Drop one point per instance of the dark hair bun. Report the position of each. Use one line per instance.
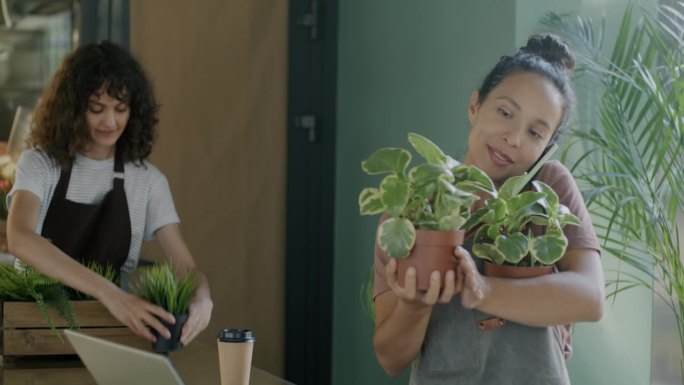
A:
(551, 48)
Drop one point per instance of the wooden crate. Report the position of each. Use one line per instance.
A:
(25, 331)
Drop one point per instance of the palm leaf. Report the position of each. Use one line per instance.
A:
(633, 165)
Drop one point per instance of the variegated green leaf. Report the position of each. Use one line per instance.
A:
(481, 215)
(370, 201)
(452, 222)
(513, 247)
(429, 172)
(548, 249)
(387, 160)
(450, 162)
(493, 232)
(427, 149)
(425, 190)
(472, 179)
(512, 186)
(488, 252)
(551, 196)
(524, 200)
(565, 217)
(498, 207)
(394, 193)
(396, 237)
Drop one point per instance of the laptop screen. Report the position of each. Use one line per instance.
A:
(115, 364)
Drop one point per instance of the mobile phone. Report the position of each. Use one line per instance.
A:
(537, 165)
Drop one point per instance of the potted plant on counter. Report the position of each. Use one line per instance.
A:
(162, 286)
(425, 208)
(505, 238)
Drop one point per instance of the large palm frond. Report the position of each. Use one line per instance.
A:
(633, 167)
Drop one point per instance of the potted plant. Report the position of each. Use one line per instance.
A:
(28, 285)
(36, 308)
(505, 238)
(162, 286)
(425, 208)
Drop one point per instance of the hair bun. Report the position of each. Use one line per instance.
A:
(551, 48)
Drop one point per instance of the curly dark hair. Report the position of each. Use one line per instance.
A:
(59, 126)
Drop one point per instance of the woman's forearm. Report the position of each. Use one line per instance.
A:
(574, 295)
(46, 258)
(400, 333)
(556, 299)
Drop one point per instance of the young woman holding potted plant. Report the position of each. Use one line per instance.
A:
(85, 191)
(516, 114)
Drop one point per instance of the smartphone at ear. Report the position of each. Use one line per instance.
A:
(546, 155)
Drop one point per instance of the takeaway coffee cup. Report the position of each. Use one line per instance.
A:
(235, 355)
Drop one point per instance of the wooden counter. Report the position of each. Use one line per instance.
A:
(197, 364)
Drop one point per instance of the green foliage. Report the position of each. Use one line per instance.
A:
(436, 195)
(161, 285)
(26, 284)
(633, 164)
(502, 235)
(108, 271)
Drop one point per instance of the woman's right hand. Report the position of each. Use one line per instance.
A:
(137, 313)
(412, 297)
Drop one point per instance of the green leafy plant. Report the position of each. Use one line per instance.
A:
(436, 195)
(632, 164)
(504, 235)
(107, 271)
(160, 285)
(26, 284)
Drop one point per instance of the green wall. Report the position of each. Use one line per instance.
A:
(411, 66)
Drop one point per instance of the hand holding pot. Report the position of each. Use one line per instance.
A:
(198, 319)
(409, 295)
(474, 285)
(136, 313)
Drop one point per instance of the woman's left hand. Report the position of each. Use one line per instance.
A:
(475, 285)
(198, 318)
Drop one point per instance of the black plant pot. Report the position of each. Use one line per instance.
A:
(163, 345)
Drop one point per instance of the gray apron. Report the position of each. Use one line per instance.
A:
(457, 352)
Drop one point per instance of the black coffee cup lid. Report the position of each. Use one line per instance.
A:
(235, 335)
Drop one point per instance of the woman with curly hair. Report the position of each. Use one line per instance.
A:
(85, 192)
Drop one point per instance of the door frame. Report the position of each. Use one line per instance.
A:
(312, 75)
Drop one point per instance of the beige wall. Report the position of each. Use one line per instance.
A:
(219, 71)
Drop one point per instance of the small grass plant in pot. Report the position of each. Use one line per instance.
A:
(425, 207)
(504, 238)
(162, 286)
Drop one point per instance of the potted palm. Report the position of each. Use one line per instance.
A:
(162, 286)
(425, 207)
(631, 166)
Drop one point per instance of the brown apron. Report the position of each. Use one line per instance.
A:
(98, 232)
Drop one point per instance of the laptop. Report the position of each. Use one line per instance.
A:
(115, 364)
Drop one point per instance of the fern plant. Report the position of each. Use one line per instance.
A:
(26, 284)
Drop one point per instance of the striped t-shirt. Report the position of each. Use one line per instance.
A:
(150, 203)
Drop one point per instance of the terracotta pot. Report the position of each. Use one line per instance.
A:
(433, 250)
(507, 271)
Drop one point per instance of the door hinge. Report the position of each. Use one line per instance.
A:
(310, 20)
(307, 122)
